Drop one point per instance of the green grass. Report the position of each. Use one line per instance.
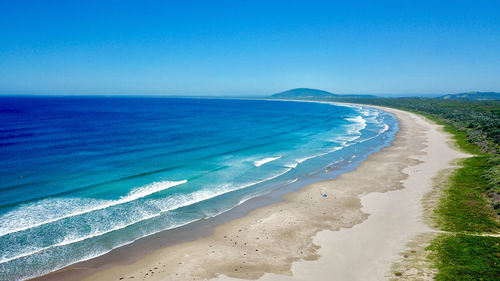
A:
(463, 206)
(459, 137)
(466, 257)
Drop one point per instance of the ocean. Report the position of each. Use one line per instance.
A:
(80, 176)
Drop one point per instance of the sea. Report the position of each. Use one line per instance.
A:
(81, 176)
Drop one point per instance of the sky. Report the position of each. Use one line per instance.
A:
(242, 48)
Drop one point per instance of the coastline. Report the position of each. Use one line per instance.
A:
(397, 219)
(300, 235)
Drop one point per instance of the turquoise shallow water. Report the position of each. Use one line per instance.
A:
(82, 176)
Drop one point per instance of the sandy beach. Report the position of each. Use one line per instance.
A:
(359, 231)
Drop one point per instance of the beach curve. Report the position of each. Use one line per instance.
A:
(294, 237)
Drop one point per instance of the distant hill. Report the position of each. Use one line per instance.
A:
(473, 96)
(302, 93)
(357, 96)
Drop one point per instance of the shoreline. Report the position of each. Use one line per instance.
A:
(249, 245)
(141, 247)
(397, 221)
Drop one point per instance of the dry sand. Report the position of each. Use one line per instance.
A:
(355, 233)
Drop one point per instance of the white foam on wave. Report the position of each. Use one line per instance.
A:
(385, 129)
(357, 119)
(173, 203)
(49, 211)
(74, 239)
(380, 132)
(359, 124)
(354, 131)
(335, 149)
(365, 112)
(5, 259)
(199, 197)
(311, 157)
(300, 160)
(95, 254)
(265, 160)
(343, 140)
(307, 158)
(202, 195)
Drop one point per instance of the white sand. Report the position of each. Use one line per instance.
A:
(355, 233)
(367, 250)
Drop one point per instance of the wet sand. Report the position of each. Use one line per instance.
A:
(354, 233)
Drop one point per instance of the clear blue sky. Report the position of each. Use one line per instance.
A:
(248, 47)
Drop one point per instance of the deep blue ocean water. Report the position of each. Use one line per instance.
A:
(82, 176)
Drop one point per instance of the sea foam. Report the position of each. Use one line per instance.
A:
(49, 210)
(72, 226)
(165, 205)
(265, 160)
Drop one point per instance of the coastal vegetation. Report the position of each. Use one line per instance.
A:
(466, 257)
(475, 126)
(475, 122)
(463, 206)
(469, 208)
(470, 204)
